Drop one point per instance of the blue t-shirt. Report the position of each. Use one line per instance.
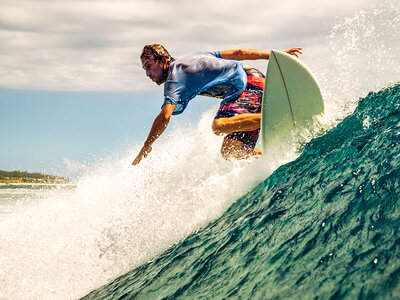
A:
(205, 73)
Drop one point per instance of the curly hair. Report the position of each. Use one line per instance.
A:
(158, 51)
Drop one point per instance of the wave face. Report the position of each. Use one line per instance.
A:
(323, 226)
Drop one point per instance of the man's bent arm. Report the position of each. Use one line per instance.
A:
(158, 127)
(253, 54)
(245, 54)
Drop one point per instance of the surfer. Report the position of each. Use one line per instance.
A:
(215, 74)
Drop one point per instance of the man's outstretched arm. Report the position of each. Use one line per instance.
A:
(253, 54)
(158, 127)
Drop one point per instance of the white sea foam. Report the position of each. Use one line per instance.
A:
(357, 56)
(120, 216)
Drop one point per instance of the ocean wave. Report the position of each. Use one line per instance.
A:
(323, 226)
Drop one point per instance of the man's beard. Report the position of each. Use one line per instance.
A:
(164, 78)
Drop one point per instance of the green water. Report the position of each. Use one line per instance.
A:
(325, 226)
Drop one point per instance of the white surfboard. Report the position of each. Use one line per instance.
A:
(291, 99)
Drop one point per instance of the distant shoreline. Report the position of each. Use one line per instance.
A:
(34, 183)
(18, 177)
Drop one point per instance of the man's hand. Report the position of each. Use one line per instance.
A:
(146, 149)
(294, 51)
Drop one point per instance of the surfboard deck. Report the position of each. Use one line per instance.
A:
(290, 101)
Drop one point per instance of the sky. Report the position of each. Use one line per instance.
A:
(72, 88)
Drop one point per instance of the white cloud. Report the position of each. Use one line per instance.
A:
(94, 45)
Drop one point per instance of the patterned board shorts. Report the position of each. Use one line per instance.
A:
(248, 102)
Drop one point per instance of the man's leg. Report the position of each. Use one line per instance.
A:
(234, 149)
(242, 122)
(239, 119)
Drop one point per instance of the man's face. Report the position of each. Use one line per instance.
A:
(154, 70)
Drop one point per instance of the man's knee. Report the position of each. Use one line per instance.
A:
(217, 127)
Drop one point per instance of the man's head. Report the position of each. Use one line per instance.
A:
(155, 61)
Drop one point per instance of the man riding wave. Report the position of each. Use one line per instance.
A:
(217, 74)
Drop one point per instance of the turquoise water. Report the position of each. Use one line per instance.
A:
(325, 226)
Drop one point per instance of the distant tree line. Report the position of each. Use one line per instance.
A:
(25, 177)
